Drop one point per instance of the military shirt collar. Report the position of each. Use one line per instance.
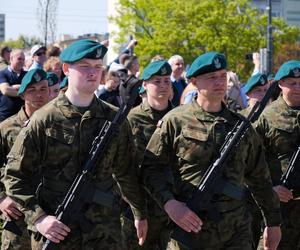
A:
(153, 113)
(23, 117)
(96, 109)
(223, 116)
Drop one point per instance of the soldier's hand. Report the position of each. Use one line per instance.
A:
(183, 216)
(283, 193)
(141, 230)
(52, 228)
(9, 209)
(272, 236)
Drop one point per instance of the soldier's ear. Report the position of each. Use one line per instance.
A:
(193, 80)
(65, 68)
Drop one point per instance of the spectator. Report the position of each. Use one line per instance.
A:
(178, 82)
(53, 64)
(38, 53)
(10, 80)
(53, 50)
(131, 63)
(4, 57)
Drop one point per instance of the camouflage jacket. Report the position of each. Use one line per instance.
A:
(52, 149)
(188, 141)
(9, 129)
(279, 127)
(143, 120)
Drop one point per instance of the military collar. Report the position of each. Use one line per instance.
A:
(225, 115)
(153, 113)
(23, 117)
(96, 109)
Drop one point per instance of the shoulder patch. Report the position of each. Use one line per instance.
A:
(159, 123)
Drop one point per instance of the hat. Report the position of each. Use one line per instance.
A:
(255, 81)
(36, 48)
(157, 68)
(288, 69)
(83, 49)
(142, 90)
(31, 77)
(52, 79)
(207, 63)
(64, 83)
(117, 67)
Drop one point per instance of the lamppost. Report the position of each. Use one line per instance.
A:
(269, 39)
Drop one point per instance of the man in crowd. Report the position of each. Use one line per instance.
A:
(279, 128)
(52, 150)
(10, 80)
(143, 120)
(188, 140)
(178, 82)
(35, 92)
(38, 53)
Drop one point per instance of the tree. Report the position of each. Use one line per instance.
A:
(192, 27)
(46, 13)
(22, 42)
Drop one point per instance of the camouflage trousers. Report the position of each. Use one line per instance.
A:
(290, 228)
(233, 232)
(105, 235)
(157, 235)
(11, 241)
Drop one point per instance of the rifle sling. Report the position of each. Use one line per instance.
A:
(100, 197)
(233, 191)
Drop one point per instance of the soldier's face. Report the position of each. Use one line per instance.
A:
(258, 92)
(36, 95)
(212, 86)
(291, 90)
(85, 75)
(158, 87)
(53, 91)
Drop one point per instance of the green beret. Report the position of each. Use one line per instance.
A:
(157, 68)
(254, 81)
(64, 83)
(83, 49)
(207, 63)
(31, 77)
(288, 69)
(142, 90)
(52, 79)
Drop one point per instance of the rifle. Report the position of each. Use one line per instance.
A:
(212, 183)
(80, 191)
(290, 179)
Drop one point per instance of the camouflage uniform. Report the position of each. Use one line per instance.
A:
(257, 219)
(52, 149)
(188, 141)
(9, 129)
(143, 120)
(279, 127)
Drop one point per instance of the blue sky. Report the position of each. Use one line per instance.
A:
(74, 17)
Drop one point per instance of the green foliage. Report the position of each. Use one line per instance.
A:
(192, 27)
(23, 42)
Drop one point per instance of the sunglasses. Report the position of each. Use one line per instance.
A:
(40, 53)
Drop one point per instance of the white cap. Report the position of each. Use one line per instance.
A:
(117, 67)
(35, 48)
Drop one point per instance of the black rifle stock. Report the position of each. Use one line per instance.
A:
(290, 179)
(211, 182)
(81, 190)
